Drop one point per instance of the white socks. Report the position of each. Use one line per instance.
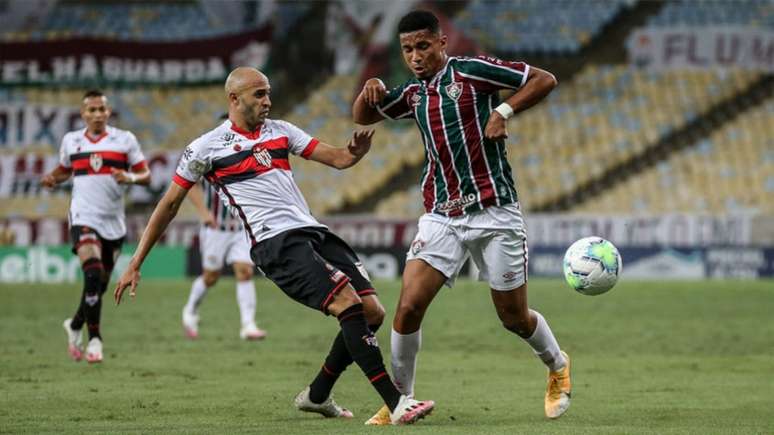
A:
(544, 344)
(245, 293)
(404, 350)
(198, 290)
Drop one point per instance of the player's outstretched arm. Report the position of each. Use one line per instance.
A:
(538, 85)
(364, 109)
(60, 174)
(162, 215)
(343, 158)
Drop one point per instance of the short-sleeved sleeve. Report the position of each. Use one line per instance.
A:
(64, 153)
(490, 74)
(300, 142)
(135, 156)
(397, 102)
(193, 164)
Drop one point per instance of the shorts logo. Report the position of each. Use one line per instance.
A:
(454, 90)
(362, 270)
(212, 259)
(95, 161)
(262, 156)
(417, 245)
(336, 275)
(510, 276)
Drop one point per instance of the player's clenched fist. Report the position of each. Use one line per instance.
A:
(374, 91)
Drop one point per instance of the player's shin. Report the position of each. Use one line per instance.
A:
(544, 344)
(364, 349)
(336, 362)
(92, 299)
(245, 293)
(404, 349)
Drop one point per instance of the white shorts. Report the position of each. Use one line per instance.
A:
(495, 238)
(217, 246)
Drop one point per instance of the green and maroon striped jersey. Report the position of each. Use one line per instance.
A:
(224, 220)
(463, 172)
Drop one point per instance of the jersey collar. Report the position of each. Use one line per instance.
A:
(98, 138)
(248, 134)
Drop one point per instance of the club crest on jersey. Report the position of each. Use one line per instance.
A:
(415, 99)
(95, 161)
(454, 90)
(262, 156)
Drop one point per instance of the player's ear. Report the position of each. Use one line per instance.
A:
(442, 39)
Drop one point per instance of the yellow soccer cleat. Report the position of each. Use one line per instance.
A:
(558, 391)
(381, 418)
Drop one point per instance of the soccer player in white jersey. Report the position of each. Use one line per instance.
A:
(472, 209)
(221, 239)
(247, 158)
(102, 160)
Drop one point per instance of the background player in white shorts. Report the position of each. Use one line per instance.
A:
(221, 239)
(102, 160)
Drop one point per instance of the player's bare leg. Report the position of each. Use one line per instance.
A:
(421, 282)
(199, 288)
(515, 315)
(245, 294)
(90, 307)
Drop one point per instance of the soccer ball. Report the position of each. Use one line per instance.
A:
(592, 265)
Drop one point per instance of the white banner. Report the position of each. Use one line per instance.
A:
(702, 47)
(695, 230)
(24, 125)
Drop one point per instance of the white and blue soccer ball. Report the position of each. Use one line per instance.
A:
(592, 265)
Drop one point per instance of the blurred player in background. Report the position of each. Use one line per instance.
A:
(472, 208)
(247, 158)
(102, 160)
(221, 238)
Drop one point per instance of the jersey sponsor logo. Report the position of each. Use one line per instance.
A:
(454, 90)
(237, 147)
(262, 156)
(227, 137)
(95, 161)
(458, 203)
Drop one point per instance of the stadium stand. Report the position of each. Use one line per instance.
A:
(749, 13)
(529, 26)
(730, 171)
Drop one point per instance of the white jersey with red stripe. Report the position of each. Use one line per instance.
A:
(252, 173)
(97, 199)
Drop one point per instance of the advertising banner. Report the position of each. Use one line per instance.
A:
(57, 264)
(702, 47)
(87, 61)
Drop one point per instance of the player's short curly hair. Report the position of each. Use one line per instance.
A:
(418, 20)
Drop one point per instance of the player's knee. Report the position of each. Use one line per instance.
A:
(375, 316)
(411, 311)
(519, 325)
(243, 272)
(210, 278)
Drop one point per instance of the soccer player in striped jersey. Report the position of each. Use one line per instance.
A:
(102, 160)
(247, 158)
(472, 209)
(221, 238)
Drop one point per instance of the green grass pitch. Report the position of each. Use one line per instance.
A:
(666, 357)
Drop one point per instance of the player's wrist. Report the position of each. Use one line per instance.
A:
(505, 110)
(131, 177)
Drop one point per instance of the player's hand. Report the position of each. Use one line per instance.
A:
(374, 91)
(208, 221)
(48, 181)
(130, 278)
(121, 176)
(495, 127)
(360, 143)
